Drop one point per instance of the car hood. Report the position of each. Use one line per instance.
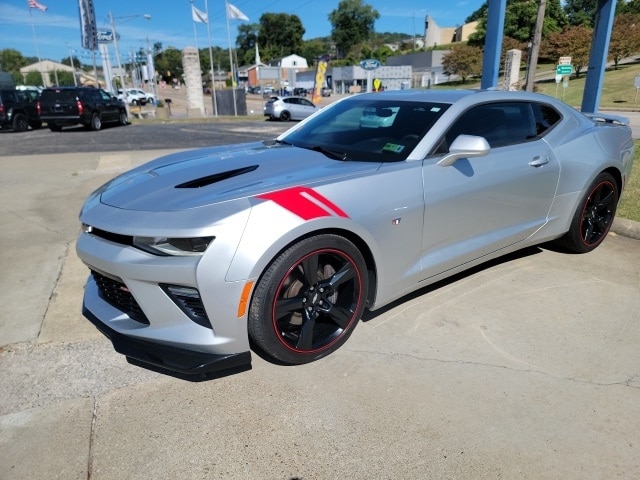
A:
(198, 178)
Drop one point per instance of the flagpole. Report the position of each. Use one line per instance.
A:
(35, 40)
(213, 78)
(195, 33)
(233, 88)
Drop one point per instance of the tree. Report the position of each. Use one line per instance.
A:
(280, 35)
(246, 42)
(581, 12)
(315, 48)
(574, 42)
(625, 37)
(520, 20)
(65, 79)
(33, 78)
(352, 23)
(169, 64)
(12, 60)
(463, 60)
(76, 62)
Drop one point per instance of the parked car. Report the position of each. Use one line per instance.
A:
(91, 107)
(141, 96)
(289, 108)
(325, 92)
(300, 92)
(287, 242)
(133, 96)
(19, 110)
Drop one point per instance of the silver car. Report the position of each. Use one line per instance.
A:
(289, 108)
(287, 242)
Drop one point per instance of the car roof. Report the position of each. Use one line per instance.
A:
(468, 96)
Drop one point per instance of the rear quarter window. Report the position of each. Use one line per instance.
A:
(546, 118)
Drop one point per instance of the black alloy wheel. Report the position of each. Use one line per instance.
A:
(594, 216)
(309, 300)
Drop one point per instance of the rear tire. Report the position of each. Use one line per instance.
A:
(593, 217)
(20, 123)
(96, 122)
(309, 300)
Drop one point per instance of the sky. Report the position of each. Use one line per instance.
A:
(55, 33)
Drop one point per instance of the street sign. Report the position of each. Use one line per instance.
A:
(564, 69)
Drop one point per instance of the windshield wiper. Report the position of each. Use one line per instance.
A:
(333, 154)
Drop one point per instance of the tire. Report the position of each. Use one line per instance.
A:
(285, 116)
(593, 217)
(20, 123)
(96, 122)
(123, 119)
(309, 300)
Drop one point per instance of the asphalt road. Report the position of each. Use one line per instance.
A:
(527, 367)
(139, 136)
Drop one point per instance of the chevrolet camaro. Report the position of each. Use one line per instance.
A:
(197, 257)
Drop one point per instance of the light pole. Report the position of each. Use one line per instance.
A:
(115, 44)
(73, 67)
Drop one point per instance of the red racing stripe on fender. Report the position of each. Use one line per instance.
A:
(305, 203)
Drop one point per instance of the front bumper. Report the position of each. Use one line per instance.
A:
(166, 357)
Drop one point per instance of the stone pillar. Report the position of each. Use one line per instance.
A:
(512, 70)
(193, 82)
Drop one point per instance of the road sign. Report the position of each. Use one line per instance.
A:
(564, 69)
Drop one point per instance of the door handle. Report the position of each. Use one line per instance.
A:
(539, 161)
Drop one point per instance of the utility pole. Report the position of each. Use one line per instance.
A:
(535, 47)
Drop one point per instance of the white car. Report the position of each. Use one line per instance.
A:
(136, 96)
(139, 93)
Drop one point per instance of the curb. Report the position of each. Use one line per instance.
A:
(627, 228)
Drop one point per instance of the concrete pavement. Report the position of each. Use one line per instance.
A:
(525, 368)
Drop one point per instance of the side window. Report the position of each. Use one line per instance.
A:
(501, 124)
(105, 96)
(546, 117)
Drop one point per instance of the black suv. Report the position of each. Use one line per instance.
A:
(91, 107)
(19, 110)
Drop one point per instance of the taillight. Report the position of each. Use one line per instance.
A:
(80, 107)
(39, 108)
(1, 108)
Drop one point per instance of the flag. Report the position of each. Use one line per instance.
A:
(198, 15)
(34, 4)
(234, 13)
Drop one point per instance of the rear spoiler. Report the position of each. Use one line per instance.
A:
(607, 118)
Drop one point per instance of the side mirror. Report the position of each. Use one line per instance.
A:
(465, 146)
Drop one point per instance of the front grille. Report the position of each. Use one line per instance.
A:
(117, 294)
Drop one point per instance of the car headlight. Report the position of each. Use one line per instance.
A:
(173, 246)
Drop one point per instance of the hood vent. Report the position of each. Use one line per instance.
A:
(216, 177)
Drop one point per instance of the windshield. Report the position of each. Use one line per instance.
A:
(368, 129)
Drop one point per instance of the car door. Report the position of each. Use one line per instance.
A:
(479, 205)
(109, 107)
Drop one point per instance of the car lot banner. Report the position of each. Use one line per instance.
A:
(88, 29)
(321, 72)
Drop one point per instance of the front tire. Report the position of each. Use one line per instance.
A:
(594, 216)
(123, 119)
(309, 300)
(285, 116)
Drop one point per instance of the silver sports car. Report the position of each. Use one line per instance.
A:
(285, 243)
